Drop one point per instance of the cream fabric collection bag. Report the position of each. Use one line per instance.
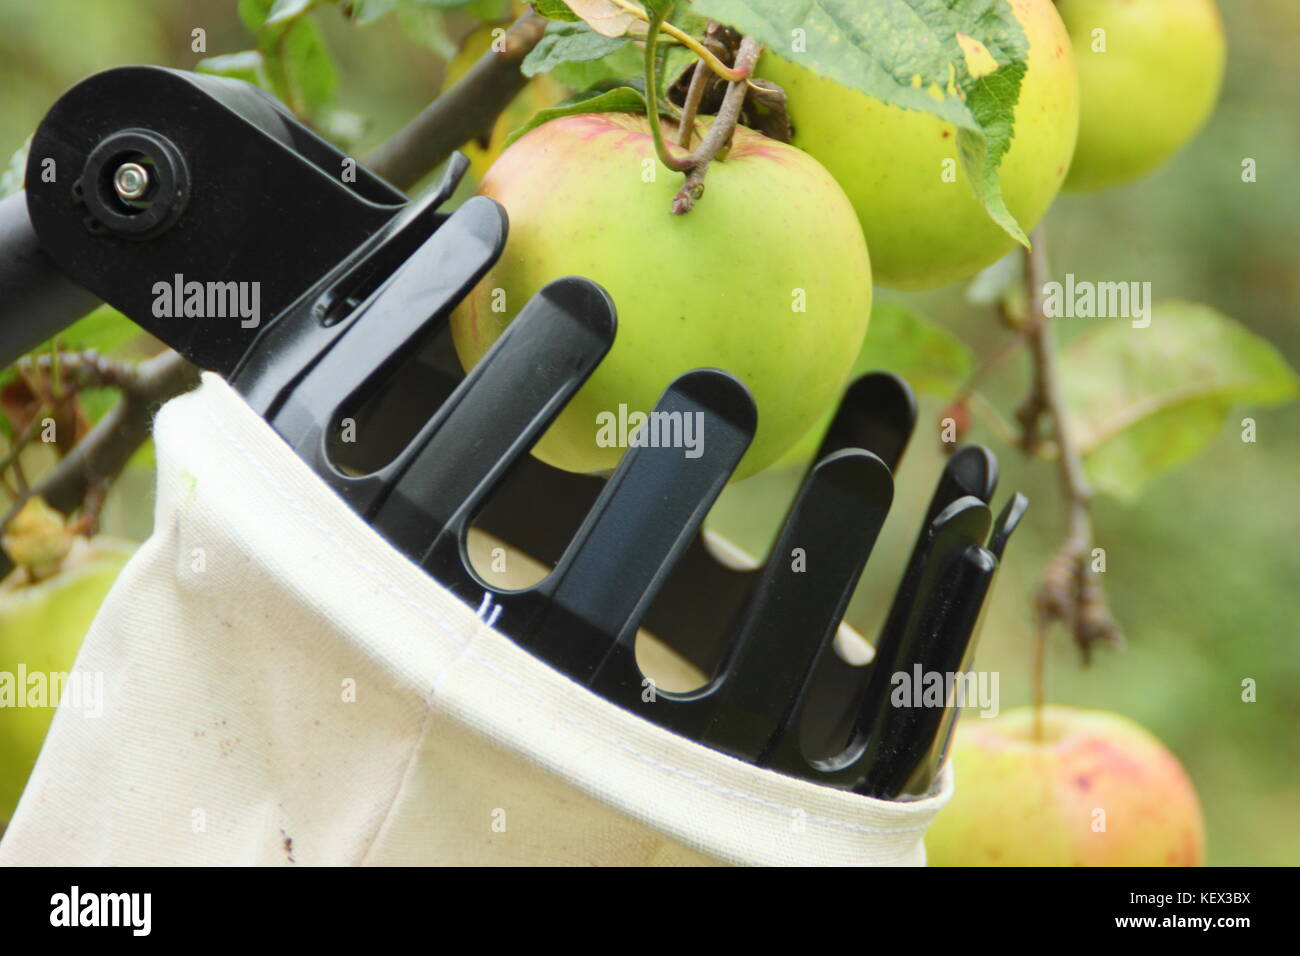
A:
(281, 687)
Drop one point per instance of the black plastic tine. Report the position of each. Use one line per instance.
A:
(540, 533)
(906, 735)
(1003, 527)
(971, 471)
(492, 418)
(877, 413)
(454, 251)
(800, 599)
(413, 299)
(1007, 522)
(773, 637)
(838, 686)
(452, 174)
(651, 508)
(700, 600)
(962, 524)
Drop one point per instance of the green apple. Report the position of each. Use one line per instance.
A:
(42, 624)
(1095, 790)
(767, 277)
(924, 231)
(1149, 75)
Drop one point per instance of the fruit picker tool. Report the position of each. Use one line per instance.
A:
(141, 179)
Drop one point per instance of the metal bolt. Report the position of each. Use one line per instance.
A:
(131, 181)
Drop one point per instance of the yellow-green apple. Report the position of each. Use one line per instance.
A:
(924, 228)
(767, 276)
(1149, 75)
(1095, 789)
(46, 606)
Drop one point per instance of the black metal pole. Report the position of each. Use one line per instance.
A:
(37, 300)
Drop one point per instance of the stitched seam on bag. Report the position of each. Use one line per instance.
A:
(679, 771)
(434, 615)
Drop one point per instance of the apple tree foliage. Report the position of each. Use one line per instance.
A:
(1139, 404)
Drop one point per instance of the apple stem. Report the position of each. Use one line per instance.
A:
(696, 163)
(659, 22)
(1070, 592)
(676, 164)
(691, 106)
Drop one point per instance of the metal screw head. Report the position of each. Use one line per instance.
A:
(131, 181)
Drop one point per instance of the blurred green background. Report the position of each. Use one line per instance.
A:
(1203, 569)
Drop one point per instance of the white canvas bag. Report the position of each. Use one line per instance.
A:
(282, 687)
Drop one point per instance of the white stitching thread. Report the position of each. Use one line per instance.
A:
(211, 413)
(681, 772)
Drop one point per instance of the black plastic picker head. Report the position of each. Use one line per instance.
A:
(173, 187)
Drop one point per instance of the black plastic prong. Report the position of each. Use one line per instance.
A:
(970, 470)
(963, 524)
(904, 738)
(839, 685)
(452, 173)
(702, 596)
(799, 600)
(651, 508)
(1007, 522)
(404, 280)
(877, 413)
(390, 324)
(494, 416)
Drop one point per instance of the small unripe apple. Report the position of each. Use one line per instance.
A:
(767, 277)
(1095, 789)
(42, 623)
(923, 227)
(1149, 74)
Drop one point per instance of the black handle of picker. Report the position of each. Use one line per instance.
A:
(37, 300)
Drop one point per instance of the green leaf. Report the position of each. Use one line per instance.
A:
(428, 27)
(299, 66)
(245, 65)
(555, 10)
(676, 59)
(105, 330)
(282, 11)
(1144, 400)
(253, 13)
(905, 342)
(362, 12)
(621, 65)
(15, 171)
(962, 62)
(981, 152)
(623, 99)
(568, 43)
